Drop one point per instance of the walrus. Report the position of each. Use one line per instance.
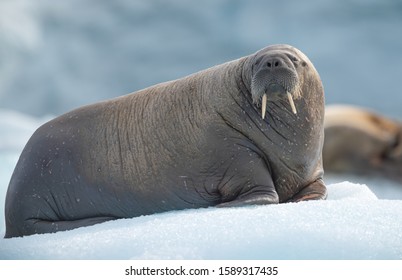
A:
(247, 132)
(360, 141)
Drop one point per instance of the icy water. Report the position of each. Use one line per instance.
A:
(57, 55)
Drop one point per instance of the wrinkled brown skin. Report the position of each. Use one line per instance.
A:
(195, 142)
(359, 141)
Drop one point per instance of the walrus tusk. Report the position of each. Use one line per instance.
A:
(292, 104)
(264, 106)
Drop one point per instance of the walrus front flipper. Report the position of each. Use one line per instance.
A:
(315, 191)
(249, 182)
(254, 199)
(37, 226)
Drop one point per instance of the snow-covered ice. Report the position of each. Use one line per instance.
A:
(352, 224)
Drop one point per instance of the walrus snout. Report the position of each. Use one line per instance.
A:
(274, 78)
(275, 89)
(275, 62)
(277, 76)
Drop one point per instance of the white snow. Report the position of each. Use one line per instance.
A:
(352, 224)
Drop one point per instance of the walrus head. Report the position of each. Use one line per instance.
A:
(275, 76)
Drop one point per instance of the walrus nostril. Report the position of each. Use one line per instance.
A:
(273, 63)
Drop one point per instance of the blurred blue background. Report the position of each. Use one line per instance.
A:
(58, 55)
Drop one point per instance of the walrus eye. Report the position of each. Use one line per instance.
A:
(258, 61)
(292, 58)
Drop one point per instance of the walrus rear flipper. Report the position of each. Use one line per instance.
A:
(37, 226)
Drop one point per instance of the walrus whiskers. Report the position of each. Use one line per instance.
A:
(292, 104)
(264, 105)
